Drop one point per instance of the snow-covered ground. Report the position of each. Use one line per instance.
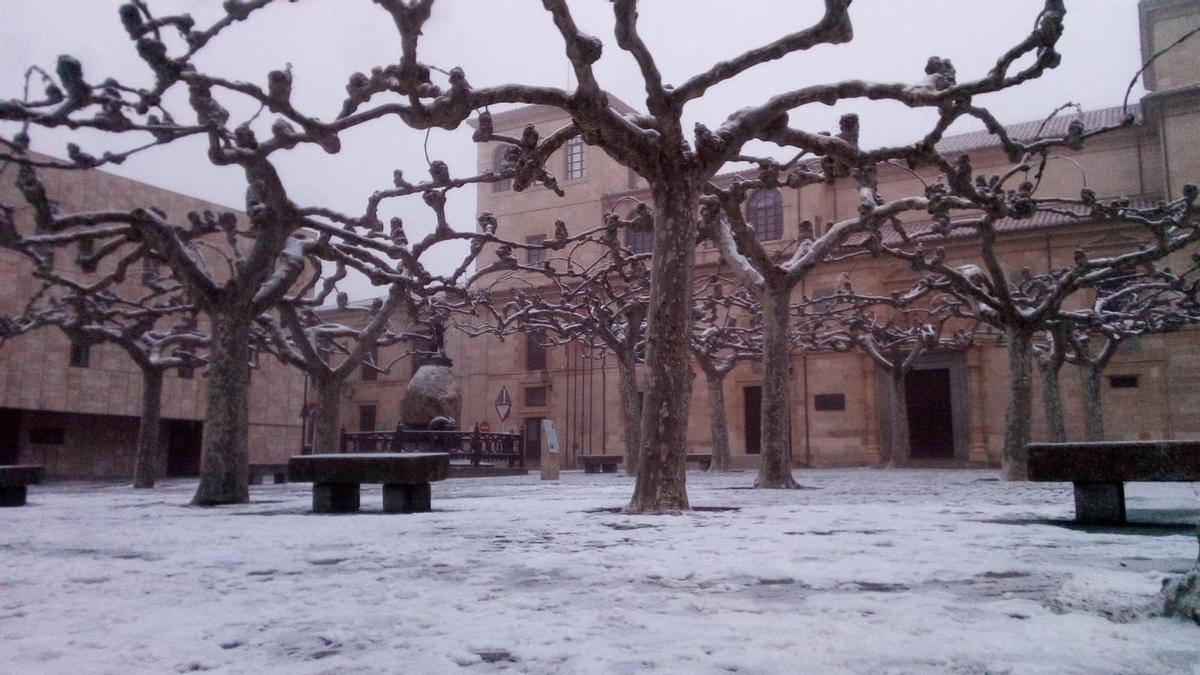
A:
(867, 571)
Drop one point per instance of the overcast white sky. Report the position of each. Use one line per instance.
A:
(499, 41)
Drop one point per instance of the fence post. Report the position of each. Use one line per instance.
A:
(343, 441)
(398, 438)
(476, 446)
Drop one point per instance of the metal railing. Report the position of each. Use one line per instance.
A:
(474, 446)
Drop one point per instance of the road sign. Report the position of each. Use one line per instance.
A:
(503, 404)
(485, 427)
(551, 436)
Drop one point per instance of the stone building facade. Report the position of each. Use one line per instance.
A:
(75, 409)
(839, 413)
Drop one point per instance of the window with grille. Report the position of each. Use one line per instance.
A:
(575, 158)
(535, 256)
(639, 240)
(366, 417)
(764, 212)
(498, 165)
(535, 397)
(150, 271)
(535, 350)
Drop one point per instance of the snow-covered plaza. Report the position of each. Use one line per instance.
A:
(865, 571)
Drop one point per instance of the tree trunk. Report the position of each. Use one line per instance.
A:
(145, 463)
(662, 476)
(775, 466)
(1052, 402)
(1020, 408)
(1093, 408)
(901, 444)
(720, 430)
(631, 413)
(327, 428)
(225, 457)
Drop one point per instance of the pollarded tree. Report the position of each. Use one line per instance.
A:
(596, 300)
(895, 332)
(727, 329)
(1148, 302)
(157, 330)
(1021, 305)
(655, 145)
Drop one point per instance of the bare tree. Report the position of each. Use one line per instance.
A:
(158, 331)
(655, 145)
(895, 332)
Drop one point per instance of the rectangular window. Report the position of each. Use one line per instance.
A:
(535, 256)
(87, 246)
(185, 372)
(535, 350)
(535, 396)
(829, 402)
(150, 271)
(639, 240)
(370, 359)
(1123, 381)
(366, 417)
(575, 158)
(81, 354)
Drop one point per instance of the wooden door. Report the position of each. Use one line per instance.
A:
(753, 420)
(930, 420)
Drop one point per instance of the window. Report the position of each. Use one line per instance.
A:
(81, 354)
(185, 372)
(1123, 381)
(639, 240)
(535, 256)
(87, 246)
(764, 212)
(575, 158)
(498, 165)
(366, 417)
(370, 357)
(535, 350)
(150, 271)
(535, 396)
(829, 402)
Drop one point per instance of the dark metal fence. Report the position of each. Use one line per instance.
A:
(474, 446)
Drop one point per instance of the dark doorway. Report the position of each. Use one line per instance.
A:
(10, 436)
(533, 439)
(184, 439)
(753, 405)
(930, 424)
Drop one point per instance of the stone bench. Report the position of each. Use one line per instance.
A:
(13, 480)
(600, 463)
(1100, 471)
(278, 473)
(336, 479)
(705, 460)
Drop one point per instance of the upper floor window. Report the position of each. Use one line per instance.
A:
(535, 350)
(370, 360)
(498, 165)
(151, 273)
(764, 212)
(575, 158)
(639, 240)
(535, 256)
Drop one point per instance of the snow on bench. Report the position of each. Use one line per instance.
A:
(1099, 471)
(336, 479)
(13, 480)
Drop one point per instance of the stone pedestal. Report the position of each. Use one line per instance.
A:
(335, 497)
(1100, 503)
(398, 498)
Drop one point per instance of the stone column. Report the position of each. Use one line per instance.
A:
(976, 415)
(872, 448)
